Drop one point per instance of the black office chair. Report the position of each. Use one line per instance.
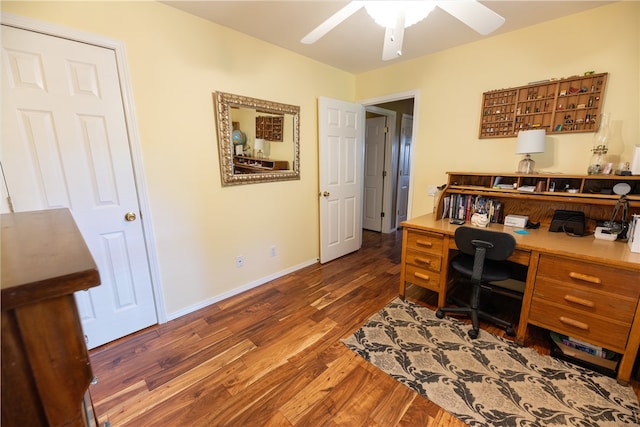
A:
(481, 260)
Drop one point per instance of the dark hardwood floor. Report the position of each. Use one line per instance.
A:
(273, 356)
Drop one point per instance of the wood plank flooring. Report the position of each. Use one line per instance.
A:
(271, 356)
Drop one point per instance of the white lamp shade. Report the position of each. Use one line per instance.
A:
(530, 141)
(259, 145)
(635, 163)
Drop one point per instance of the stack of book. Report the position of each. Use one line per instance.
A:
(584, 346)
(463, 206)
(585, 354)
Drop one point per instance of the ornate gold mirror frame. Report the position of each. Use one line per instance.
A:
(236, 112)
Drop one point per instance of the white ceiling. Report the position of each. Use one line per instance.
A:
(356, 44)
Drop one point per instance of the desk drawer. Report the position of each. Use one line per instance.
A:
(594, 329)
(422, 277)
(424, 260)
(586, 301)
(591, 276)
(520, 257)
(425, 242)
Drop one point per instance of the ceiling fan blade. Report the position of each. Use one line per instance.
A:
(477, 16)
(392, 47)
(333, 21)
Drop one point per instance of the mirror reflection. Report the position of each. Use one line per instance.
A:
(258, 139)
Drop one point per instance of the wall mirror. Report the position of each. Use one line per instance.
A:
(258, 140)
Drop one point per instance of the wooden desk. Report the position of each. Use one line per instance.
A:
(577, 286)
(244, 164)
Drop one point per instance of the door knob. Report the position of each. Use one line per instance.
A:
(326, 194)
(130, 216)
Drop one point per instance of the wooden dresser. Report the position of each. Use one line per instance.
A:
(577, 286)
(46, 369)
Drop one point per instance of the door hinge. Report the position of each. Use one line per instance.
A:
(381, 214)
(384, 174)
(386, 129)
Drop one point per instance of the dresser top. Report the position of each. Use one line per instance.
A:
(43, 256)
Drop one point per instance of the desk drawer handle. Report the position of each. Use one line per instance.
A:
(585, 278)
(423, 260)
(580, 301)
(422, 276)
(426, 243)
(571, 322)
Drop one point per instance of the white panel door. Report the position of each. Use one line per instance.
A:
(341, 147)
(374, 149)
(65, 144)
(404, 167)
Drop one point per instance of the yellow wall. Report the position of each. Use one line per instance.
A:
(451, 83)
(176, 61)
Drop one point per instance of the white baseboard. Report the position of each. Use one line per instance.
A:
(236, 291)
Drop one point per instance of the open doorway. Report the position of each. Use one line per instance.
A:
(379, 135)
(392, 205)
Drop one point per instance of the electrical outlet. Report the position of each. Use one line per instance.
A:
(273, 251)
(239, 261)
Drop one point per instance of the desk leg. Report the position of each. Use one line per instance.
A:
(444, 272)
(403, 263)
(527, 297)
(631, 350)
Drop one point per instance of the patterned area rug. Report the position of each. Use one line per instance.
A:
(488, 381)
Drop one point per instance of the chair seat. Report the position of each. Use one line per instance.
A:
(493, 270)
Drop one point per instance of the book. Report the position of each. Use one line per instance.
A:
(584, 346)
(480, 205)
(445, 207)
(453, 209)
(461, 207)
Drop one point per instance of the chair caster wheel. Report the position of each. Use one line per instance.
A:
(511, 332)
(439, 314)
(473, 333)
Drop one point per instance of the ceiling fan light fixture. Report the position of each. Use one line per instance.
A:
(395, 16)
(384, 12)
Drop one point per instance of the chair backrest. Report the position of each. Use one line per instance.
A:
(498, 245)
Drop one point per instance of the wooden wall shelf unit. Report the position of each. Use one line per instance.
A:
(269, 128)
(245, 164)
(46, 369)
(593, 194)
(568, 105)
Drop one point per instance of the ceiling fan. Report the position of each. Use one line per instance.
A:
(395, 16)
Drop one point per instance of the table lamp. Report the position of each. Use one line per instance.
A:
(258, 148)
(529, 141)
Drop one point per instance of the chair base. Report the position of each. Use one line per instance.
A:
(475, 315)
(474, 312)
